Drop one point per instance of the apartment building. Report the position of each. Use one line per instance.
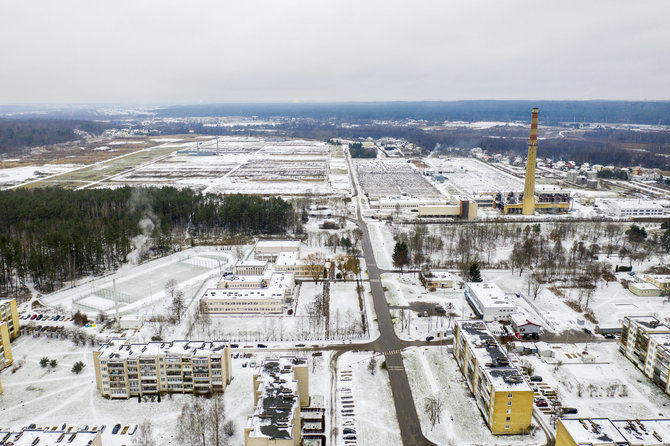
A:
(281, 388)
(32, 437)
(6, 357)
(661, 281)
(270, 249)
(606, 432)
(646, 342)
(249, 294)
(10, 314)
(123, 370)
(503, 397)
(488, 301)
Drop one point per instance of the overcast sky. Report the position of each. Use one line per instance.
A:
(163, 52)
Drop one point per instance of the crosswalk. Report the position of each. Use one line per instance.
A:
(392, 352)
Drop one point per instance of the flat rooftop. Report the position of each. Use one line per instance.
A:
(604, 430)
(649, 323)
(119, 349)
(273, 244)
(251, 263)
(441, 275)
(489, 294)
(491, 357)
(30, 437)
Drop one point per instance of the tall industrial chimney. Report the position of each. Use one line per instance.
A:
(528, 202)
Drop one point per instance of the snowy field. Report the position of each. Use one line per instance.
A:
(434, 371)
(470, 176)
(141, 288)
(391, 177)
(48, 398)
(13, 176)
(372, 411)
(610, 387)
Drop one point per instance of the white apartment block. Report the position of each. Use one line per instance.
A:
(124, 370)
(488, 301)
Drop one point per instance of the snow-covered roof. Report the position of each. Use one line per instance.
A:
(660, 278)
(644, 286)
(30, 437)
(649, 324)
(276, 289)
(606, 431)
(489, 294)
(251, 263)
(492, 358)
(274, 415)
(520, 319)
(440, 275)
(288, 259)
(273, 244)
(119, 348)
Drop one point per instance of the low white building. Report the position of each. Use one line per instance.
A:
(270, 249)
(522, 324)
(635, 208)
(488, 301)
(439, 279)
(251, 267)
(267, 299)
(131, 322)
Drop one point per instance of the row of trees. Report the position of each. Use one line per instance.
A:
(16, 134)
(50, 236)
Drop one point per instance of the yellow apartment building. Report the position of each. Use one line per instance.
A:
(10, 314)
(503, 397)
(281, 388)
(606, 432)
(646, 343)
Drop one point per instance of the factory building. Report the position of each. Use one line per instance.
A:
(465, 208)
(635, 208)
(501, 394)
(488, 301)
(646, 343)
(606, 432)
(281, 388)
(123, 370)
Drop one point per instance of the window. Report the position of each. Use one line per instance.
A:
(509, 395)
(507, 426)
(509, 403)
(509, 411)
(507, 419)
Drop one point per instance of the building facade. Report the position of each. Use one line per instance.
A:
(258, 295)
(646, 343)
(503, 397)
(9, 314)
(281, 388)
(488, 301)
(33, 437)
(270, 249)
(123, 370)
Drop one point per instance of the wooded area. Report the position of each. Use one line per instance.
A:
(16, 134)
(51, 236)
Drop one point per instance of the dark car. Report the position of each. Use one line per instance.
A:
(348, 430)
(300, 345)
(234, 345)
(569, 410)
(586, 330)
(610, 336)
(116, 429)
(429, 338)
(261, 346)
(541, 403)
(536, 379)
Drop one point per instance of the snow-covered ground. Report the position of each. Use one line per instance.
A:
(373, 410)
(13, 176)
(49, 397)
(610, 387)
(433, 371)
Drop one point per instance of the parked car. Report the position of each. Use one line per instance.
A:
(348, 430)
(116, 429)
(33, 317)
(541, 403)
(125, 429)
(234, 345)
(429, 338)
(261, 346)
(610, 336)
(536, 379)
(587, 331)
(300, 345)
(570, 410)
(244, 364)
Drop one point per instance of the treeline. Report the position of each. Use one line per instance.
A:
(51, 236)
(16, 134)
(358, 151)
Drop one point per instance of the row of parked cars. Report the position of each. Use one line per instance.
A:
(347, 409)
(130, 429)
(45, 317)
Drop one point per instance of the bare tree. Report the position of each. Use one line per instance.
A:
(177, 306)
(372, 365)
(316, 263)
(433, 406)
(145, 435)
(534, 283)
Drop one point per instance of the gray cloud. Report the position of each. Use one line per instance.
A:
(213, 51)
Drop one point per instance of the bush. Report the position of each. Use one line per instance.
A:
(78, 367)
(432, 289)
(80, 319)
(44, 362)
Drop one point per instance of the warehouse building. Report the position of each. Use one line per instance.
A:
(123, 369)
(488, 301)
(503, 397)
(644, 289)
(281, 388)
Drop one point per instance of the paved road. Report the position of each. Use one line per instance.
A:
(390, 346)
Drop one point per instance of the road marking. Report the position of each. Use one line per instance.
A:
(393, 352)
(374, 280)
